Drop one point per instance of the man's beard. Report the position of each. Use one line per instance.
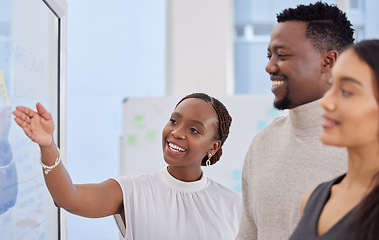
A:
(284, 103)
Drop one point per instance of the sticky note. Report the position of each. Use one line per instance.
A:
(261, 124)
(131, 139)
(139, 120)
(273, 112)
(151, 135)
(237, 174)
(3, 89)
(237, 188)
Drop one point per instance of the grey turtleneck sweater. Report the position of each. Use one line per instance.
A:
(284, 162)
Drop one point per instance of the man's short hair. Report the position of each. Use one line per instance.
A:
(328, 27)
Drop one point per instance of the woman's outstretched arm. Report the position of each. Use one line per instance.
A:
(88, 200)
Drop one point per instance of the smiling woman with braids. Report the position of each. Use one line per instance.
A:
(178, 202)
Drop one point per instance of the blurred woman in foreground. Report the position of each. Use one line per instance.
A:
(348, 206)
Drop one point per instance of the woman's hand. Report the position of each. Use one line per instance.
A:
(38, 126)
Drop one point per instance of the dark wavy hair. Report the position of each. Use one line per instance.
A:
(366, 224)
(328, 27)
(224, 122)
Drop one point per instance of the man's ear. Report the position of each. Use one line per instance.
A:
(329, 59)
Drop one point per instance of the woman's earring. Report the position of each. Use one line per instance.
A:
(208, 162)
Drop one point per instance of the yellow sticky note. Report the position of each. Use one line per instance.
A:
(3, 88)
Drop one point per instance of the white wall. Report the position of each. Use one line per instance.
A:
(116, 49)
(200, 47)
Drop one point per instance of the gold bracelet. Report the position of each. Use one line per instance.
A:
(47, 169)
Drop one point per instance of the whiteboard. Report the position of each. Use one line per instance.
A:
(144, 119)
(32, 69)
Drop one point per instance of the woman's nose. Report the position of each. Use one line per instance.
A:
(328, 100)
(178, 133)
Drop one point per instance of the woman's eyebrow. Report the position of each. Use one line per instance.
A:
(350, 79)
(194, 121)
(198, 122)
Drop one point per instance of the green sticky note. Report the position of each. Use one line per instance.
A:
(151, 135)
(131, 139)
(139, 120)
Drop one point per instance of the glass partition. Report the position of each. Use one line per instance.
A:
(29, 73)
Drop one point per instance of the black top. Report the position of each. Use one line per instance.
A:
(307, 227)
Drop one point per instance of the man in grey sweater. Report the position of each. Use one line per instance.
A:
(287, 159)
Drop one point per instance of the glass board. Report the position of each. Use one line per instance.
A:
(29, 73)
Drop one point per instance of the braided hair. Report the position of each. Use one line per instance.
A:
(328, 27)
(224, 122)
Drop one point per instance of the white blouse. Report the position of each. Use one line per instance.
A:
(158, 206)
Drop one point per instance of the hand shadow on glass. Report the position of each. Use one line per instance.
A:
(8, 171)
